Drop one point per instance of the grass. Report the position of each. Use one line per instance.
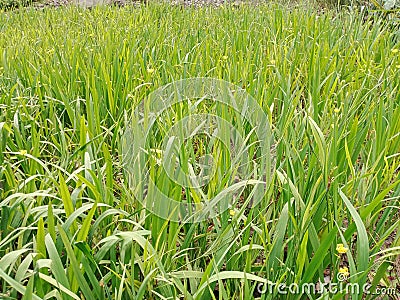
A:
(70, 225)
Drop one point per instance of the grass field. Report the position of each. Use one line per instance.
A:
(71, 224)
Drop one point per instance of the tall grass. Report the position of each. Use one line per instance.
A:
(70, 227)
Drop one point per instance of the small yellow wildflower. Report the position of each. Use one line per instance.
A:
(232, 212)
(341, 249)
(394, 50)
(344, 271)
(23, 152)
(336, 110)
(150, 70)
(224, 57)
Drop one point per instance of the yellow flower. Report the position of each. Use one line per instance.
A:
(224, 57)
(344, 271)
(394, 50)
(336, 110)
(398, 66)
(232, 212)
(341, 249)
(150, 70)
(23, 152)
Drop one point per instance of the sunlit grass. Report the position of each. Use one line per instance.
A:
(69, 79)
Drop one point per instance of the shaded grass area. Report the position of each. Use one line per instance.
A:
(13, 4)
(70, 226)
